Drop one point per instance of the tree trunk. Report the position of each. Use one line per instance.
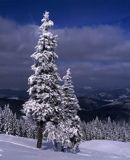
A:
(39, 134)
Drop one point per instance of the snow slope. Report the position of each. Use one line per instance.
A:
(16, 148)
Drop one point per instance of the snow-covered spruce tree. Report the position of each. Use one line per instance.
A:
(71, 125)
(45, 99)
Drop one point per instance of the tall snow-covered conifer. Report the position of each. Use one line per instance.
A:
(71, 125)
(45, 99)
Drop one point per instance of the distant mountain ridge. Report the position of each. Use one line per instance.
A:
(101, 103)
(13, 93)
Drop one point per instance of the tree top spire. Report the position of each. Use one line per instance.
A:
(68, 71)
(46, 15)
(47, 23)
(68, 75)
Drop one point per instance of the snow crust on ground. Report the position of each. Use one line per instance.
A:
(107, 146)
(17, 148)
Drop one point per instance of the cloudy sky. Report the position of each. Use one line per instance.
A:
(93, 40)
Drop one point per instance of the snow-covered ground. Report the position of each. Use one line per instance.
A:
(16, 148)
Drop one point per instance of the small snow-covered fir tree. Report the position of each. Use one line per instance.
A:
(67, 133)
(69, 99)
(45, 99)
(8, 120)
(71, 125)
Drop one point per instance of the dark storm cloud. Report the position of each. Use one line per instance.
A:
(16, 44)
(97, 55)
(100, 75)
(94, 43)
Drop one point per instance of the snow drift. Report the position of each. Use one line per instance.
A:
(17, 148)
